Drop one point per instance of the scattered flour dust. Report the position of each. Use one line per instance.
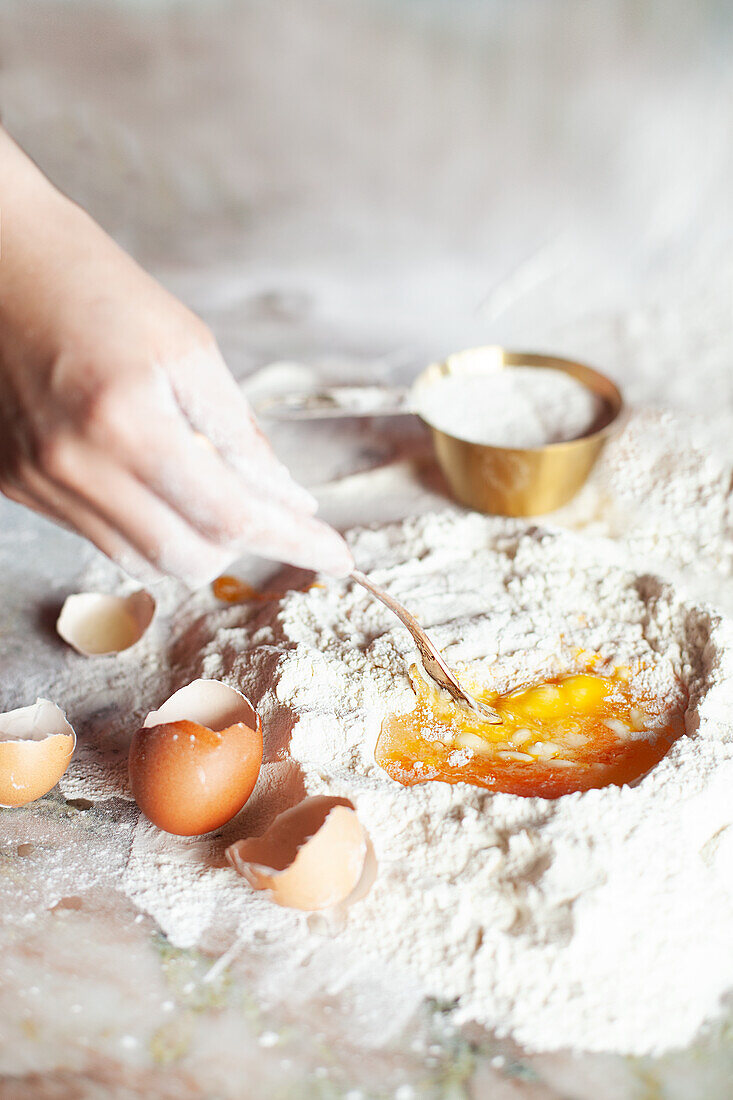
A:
(600, 921)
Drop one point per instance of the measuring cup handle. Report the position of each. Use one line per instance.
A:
(335, 402)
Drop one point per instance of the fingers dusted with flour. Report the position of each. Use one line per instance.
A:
(118, 416)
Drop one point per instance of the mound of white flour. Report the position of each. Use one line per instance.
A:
(521, 407)
(600, 921)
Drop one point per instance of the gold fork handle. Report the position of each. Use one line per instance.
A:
(430, 656)
(337, 402)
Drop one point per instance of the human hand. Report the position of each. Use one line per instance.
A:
(118, 416)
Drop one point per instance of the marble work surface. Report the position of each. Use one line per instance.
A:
(359, 187)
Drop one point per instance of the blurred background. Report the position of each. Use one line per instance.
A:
(369, 183)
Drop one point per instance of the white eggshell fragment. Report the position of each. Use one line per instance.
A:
(210, 703)
(315, 856)
(36, 745)
(97, 624)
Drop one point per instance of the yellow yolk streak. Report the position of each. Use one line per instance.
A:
(571, 733)
(230, 589)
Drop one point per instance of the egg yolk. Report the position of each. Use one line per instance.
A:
(566, 734)
(231, 589)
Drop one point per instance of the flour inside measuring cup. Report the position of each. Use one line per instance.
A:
(517, 407)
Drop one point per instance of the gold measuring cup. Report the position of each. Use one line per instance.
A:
(507, 481)
(520, 481)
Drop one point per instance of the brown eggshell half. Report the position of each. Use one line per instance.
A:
(97, 624)
(189, 776)
(36, 746)
(312, 857)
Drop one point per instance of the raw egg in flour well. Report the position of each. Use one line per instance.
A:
(569, 733)
(195, 761)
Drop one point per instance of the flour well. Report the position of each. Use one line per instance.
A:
(562, 923)
(517, 407)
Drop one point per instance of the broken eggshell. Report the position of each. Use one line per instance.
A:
(314, 856)
(97, 624)
(195, 761)
(36, 745)
(211, 703)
